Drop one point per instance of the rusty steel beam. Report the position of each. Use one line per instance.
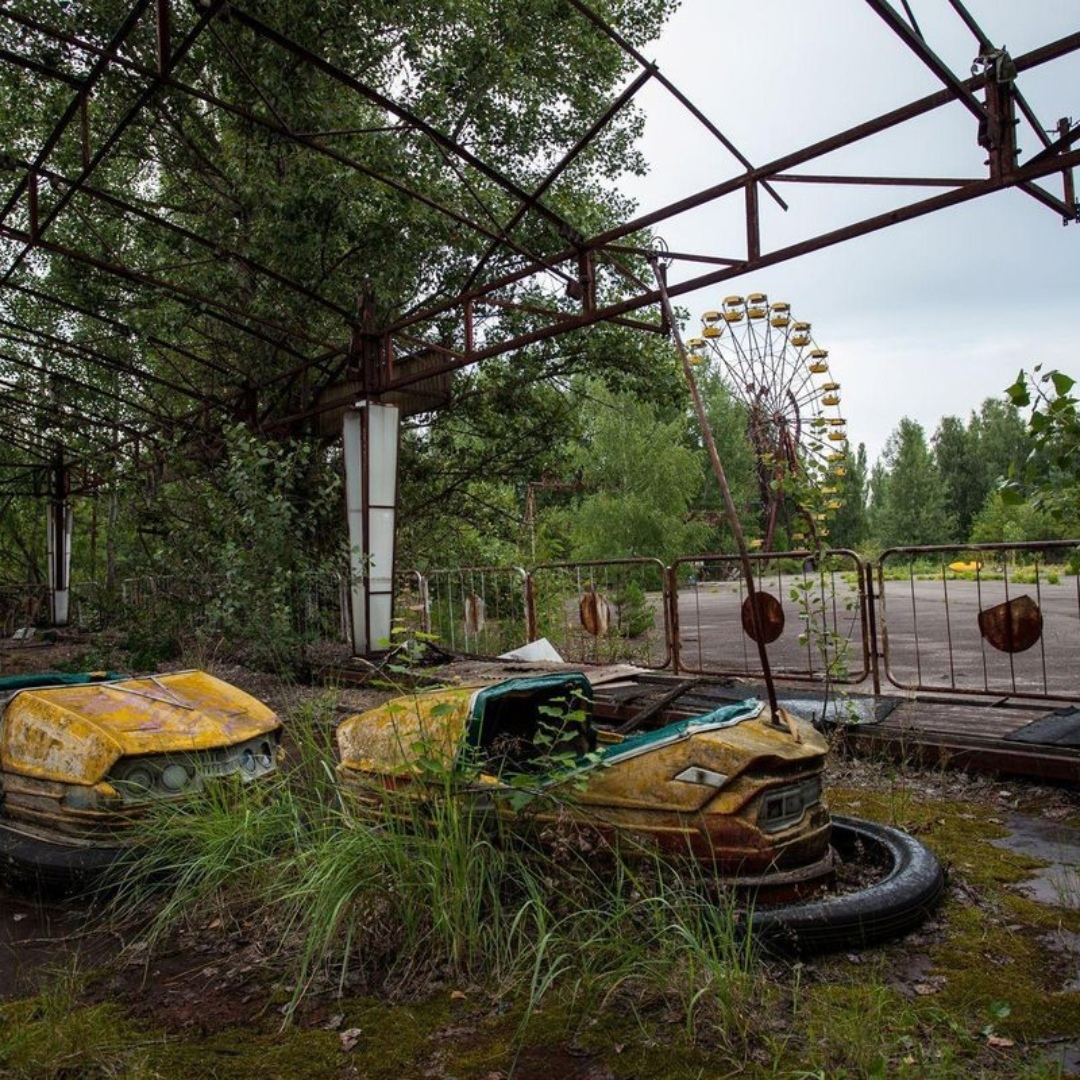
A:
(226, 313)
(562, 227)
(96, 73)
(307, 140)
(1069, 211)
(887, 13)
(607, 29)
(124, 329)
(215, 246)
(54, 341)
(24, 62)
(26, 405)
(576, 264)
(953, 197)
(1029, 60)
(1054, 50)
(103, 150)
(561, 166)
(986, 46)
(871, 181)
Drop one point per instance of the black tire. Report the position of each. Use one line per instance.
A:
(910, 888)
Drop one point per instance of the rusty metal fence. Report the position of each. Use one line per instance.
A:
(986, 619)
(983, 619)
(814, 615)
(993, 620)
(606, 611)
(474, 609)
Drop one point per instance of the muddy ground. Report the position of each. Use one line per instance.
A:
(216, 977)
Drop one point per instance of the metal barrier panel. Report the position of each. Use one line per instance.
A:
(477, 609)
(997, 619)
(814, 615)
(412, 608)
(604, 612)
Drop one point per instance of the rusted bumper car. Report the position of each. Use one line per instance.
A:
(731, 788)
(82, 757)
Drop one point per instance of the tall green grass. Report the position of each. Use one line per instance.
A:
(441, 890)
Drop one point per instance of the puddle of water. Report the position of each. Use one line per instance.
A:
(1058, 883)
(837, 709)
(1067, 1058)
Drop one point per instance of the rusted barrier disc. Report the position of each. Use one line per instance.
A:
(1013, 626)
(770, 615)
(595, 613)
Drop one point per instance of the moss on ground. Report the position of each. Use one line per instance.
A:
(985, 992)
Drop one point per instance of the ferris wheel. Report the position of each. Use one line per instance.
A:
(770, 362)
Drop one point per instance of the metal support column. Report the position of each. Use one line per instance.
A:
(370, 433)
(58, 526)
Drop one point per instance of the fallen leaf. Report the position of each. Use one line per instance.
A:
(349, 1038)
(999, 1042)
(334, 1022)
(925, 989)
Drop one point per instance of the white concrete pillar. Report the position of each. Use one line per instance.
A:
(58, 525)
(370, 433)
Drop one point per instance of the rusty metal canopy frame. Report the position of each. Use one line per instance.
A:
(103, 370)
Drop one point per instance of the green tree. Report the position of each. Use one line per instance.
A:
(1051, 471)
(1003, 521)
(641, 479)
(962, 471)
(850, 525)
(913, 507)
(1002, 440)
(976, 459)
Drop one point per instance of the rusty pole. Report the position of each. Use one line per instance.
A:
(729, 502)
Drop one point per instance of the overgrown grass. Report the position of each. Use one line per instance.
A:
(53, 1037)
(425, 893)
(641, 961)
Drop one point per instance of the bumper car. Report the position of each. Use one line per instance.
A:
(82, 757)
(733, 788)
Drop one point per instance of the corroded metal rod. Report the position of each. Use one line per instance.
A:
(721, 476)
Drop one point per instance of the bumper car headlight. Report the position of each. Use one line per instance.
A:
(786, 806)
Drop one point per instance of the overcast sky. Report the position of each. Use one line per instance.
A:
(923, 319)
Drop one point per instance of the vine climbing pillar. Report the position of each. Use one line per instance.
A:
(370, 433)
